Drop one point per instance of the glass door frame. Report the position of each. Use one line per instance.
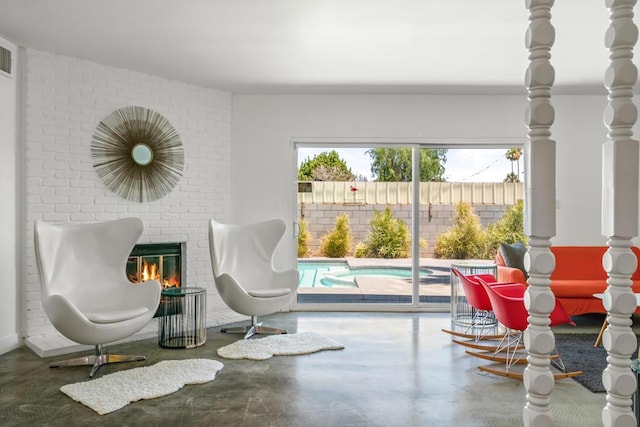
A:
(416, 144)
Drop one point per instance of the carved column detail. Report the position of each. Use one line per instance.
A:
(540, 214)
(620, 212)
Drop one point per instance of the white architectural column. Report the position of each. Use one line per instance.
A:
(620, 212)
(540, 214)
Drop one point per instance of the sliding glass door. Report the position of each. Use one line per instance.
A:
(354, 210)
(377, 224)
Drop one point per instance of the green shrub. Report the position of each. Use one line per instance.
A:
(337, 243)
(465, 239)
(360, 251)
(388, 238)
(304, 240)
(510, 229)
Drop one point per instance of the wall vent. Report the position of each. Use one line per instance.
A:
(5, 61)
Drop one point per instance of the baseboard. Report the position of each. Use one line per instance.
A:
(56, 345)
(9, 343)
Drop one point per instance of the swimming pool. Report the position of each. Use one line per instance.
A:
(338, 274)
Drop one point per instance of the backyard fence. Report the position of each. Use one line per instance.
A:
(399, 193)
(319, 204)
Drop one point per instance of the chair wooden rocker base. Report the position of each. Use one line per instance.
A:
(496, 346)
(520, 360)
(472, 336)
(517, 372)
(254, 329)
(510, 357)
(97, 360)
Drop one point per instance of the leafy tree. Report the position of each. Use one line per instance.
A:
(326, 166)
(394, 164)
(465, 239)
(388, 238)
(337, 243)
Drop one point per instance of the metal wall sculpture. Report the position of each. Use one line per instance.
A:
(137, 154)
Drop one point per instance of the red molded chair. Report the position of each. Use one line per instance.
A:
(483, 320)
(508, 307)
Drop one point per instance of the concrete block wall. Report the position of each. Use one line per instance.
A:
(64, 100)
(435, 219)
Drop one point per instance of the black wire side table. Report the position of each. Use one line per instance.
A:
(182, 317)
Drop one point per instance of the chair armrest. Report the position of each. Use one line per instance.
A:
(510, 290)
(60, 309)
(488, 278)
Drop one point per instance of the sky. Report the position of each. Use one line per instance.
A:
(463, 165)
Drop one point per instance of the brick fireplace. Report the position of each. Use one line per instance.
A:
(61, 185)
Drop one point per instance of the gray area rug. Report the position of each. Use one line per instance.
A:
(578, 353)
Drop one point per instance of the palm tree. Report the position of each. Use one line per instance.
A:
(513, 155)
(512, 177)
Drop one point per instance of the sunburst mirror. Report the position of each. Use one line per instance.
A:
(137, 154)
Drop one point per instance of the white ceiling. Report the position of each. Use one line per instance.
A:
(319, 46)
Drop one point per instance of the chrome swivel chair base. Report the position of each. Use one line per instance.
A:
(254, 329)
(97, 360)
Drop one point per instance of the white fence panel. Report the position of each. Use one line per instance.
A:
(399, 193)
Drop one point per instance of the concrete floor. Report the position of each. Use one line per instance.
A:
(397, 369)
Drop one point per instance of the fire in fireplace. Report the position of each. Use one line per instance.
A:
(157, 261)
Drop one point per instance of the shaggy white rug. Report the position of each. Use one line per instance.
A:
(278, 345)
(114, 391)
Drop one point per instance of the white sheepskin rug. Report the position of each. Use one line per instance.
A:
(278, 345)
(114, 391)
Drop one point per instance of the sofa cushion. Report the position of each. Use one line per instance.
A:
(513, 256)
(579, 288)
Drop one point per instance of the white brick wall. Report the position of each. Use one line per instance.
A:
(65, 99)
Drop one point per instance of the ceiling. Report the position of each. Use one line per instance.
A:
(319, 46)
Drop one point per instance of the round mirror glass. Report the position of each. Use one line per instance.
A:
(141, 154)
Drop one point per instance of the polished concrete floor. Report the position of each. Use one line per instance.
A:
(397, 369)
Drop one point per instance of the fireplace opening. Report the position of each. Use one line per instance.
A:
(163, 262)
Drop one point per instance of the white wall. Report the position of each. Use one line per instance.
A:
(579, 132)
(64, 100)
(9, 302)
(265, 125)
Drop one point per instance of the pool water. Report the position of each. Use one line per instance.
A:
(312, 273)
(338, 274)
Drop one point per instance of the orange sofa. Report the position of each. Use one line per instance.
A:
(578, 275)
